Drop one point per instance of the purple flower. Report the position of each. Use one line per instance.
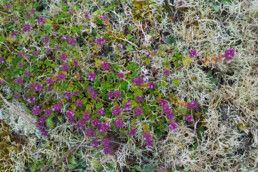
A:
(100, 111)
(94, 95)
(110, 94)
(61, 77)
(14, 33)
(32, 86)
(27, 13)
(18, 80)
(75, 63)
(192, 53)
(86, 16)
(139, 98)
(105, 65)
(89, 132)
(41, 126)
(107, 151)
(20, 64)
(47, 112)
(166, 109)
(7, 5)
(138, 111)
(26, 27)
(56, 47)
(95, 122)
(35, 110)
(76, 93)
(78, 103)
(100, 41)
(162, 102)
(57, 107)
(65, 67)
(91, 75)
(49, 89)
(70, 115)
(80, 123)
(90, 89)
(133, 132)
(49, 81)
(104, 127)
(45, 39)
(103, 17)
(192, 105)
(170, 115)
(148, 55)
(166, 73)
(38, 87)
(40, 20)
(21, 54)
(35, 53)
(33, 10)
(27, 74)
(86, 115)
(173, 126)
(117, 94)
(63, 56)
(138, 80)
(151, 84)
(229, 53)
(120, 75)
(72, 40)
(189, 118)
(119, 47)
(31, 99)
(105, 142)
(70, 11)
(119, 122)
(116, 110)
(49, 51)
(17, 95)
(94, 142)
(127, 106)
(147, 138)
(68, 94)
(155, 52)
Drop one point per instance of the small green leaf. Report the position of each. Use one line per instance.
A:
(216, 7)
(138, 168)
(95, 163)
(49, 123)
(176, 82)
(71, 166)
(129, 36)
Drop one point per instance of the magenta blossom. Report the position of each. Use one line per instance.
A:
(7, 5)
(86, 16)
(110, 94)
(192, 105)
(119, 47)
(104, 17)
(189, 118)
(166, 109)
(138, 111)
(94, 95)
(86, 115)
(31, 99)
(78, 103)
(100, 111)
(229, 53)
(148, 55)
(116, 110)
(49, 89)
(71, 40)
(68, 94)
(63, 56)
(40, 20)
(14, 33)
(151, 84)
(57, 107)
(173, 126)
(147, 138)
(47, 112)
(119, 122)
(139, 98)
(104, 127)
(92, 75)
(166, 73)
(138, 80)
(127, 106)
(133, 132)
(89, 132)
(117, 94)
(61, 77)
(27, 74)
(35, 110)
(70, 115)
(192, 53)
(26, 27)
(105, 142)
(45, 39)
(120, 75)
(18, 80)
(75, 62)
(105, 65)
(76, 93)
(155, 52)
(100, 41)
(95, 122)
(65, 67)
(162, 102)
(94, 142)
(170, 115)
(49, 81)
(17, 95)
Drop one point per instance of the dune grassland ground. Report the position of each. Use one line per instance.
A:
(124, 85)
